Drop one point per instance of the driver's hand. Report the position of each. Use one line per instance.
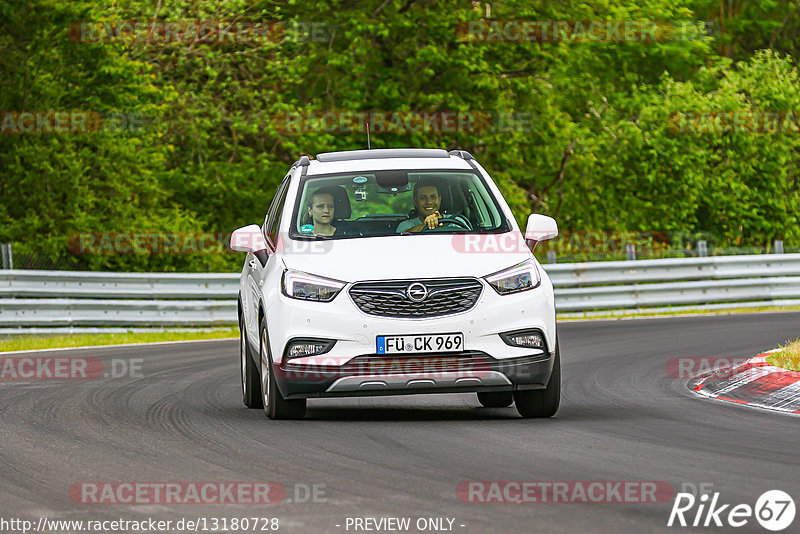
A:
(432, 220)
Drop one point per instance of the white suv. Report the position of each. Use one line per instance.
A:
(396, 271)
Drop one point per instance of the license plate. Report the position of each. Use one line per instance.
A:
(420, 343)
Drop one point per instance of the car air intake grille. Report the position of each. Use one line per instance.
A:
(435, 297)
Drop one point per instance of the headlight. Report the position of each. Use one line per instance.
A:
(300, 285)
(515, 279)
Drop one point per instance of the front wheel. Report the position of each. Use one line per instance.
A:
(275, 406)
(542, 402)
(251, 380)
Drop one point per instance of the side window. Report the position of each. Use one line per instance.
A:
(275, 211)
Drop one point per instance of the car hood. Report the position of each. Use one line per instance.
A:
(408, 256)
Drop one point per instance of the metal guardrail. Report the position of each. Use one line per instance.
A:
(678, 293)
(77, 298)
(673, 269)
(82, 284)
(67, 298)
(42, 312)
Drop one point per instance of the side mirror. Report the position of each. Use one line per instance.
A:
(250, 239)
(540, 228)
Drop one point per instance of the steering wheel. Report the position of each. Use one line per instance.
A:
(451, 220)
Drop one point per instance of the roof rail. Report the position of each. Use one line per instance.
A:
(463, 154)
(382, 153)
(302, 162)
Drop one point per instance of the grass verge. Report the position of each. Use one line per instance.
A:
(788, 357)
(34, 342)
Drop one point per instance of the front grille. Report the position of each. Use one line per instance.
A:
(445, 296)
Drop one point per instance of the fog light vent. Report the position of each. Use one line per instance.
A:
(530, 339)
(307, 347)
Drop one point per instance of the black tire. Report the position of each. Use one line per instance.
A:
(542, 402)
(251, 378)
(496, 399)
(275, 406)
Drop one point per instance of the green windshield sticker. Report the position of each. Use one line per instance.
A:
(307, 228)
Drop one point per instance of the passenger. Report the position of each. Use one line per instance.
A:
(320, 212)
(426, 204)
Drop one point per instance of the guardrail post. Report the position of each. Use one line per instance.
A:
(551, 256)
(778, 246)
(702, 249)
(8, 259)
(630, 250)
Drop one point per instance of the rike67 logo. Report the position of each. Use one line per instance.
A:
(774, 510)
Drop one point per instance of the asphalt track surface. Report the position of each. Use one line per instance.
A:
(622, 418)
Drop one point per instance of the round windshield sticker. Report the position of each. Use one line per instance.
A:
(307, 228)
(360, 180)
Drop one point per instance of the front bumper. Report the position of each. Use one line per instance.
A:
(352, 368)
(373, 374)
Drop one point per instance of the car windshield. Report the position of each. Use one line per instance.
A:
(381, 203)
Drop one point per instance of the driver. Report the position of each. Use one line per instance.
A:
(426, 204)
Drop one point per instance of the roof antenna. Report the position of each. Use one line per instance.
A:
(369, 147)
